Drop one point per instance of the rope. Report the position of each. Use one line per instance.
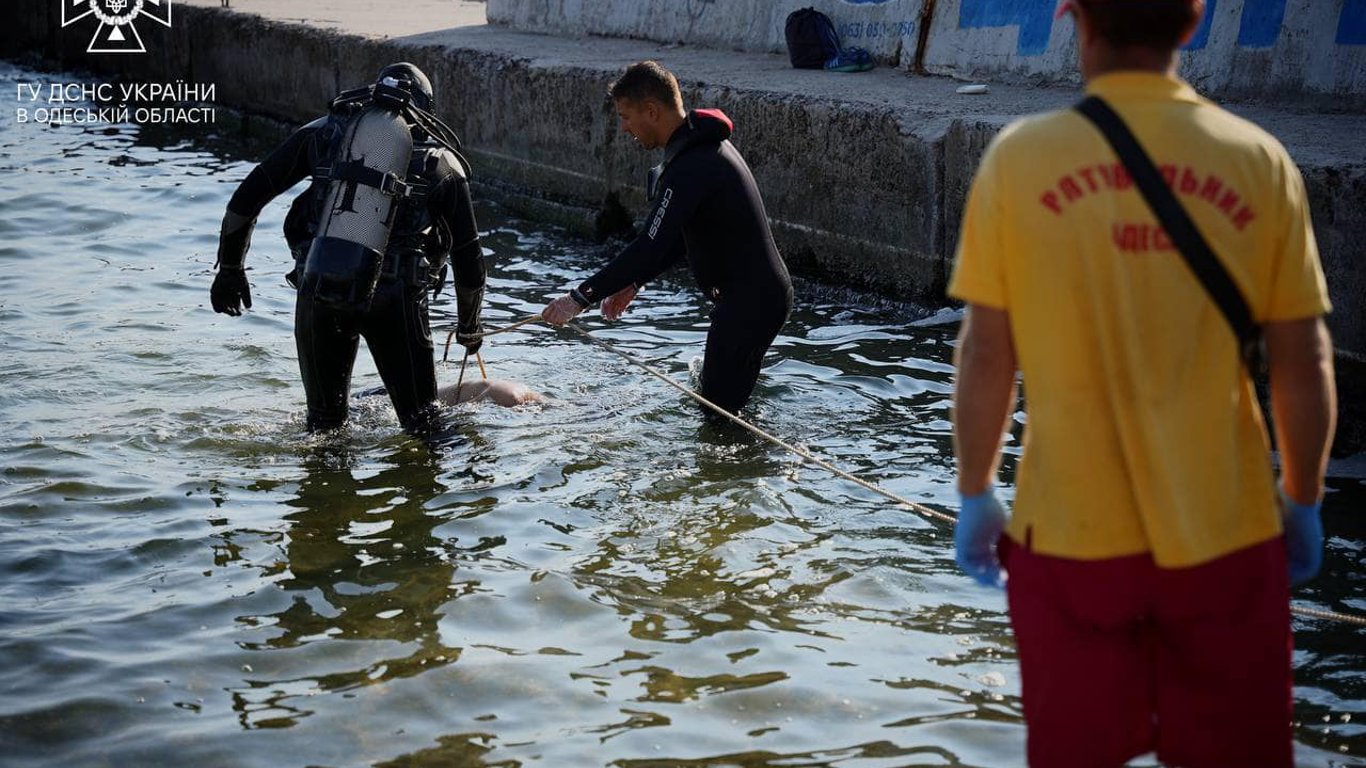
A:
(802, 452)
(807, 455)
(461, 378)
(920, 509)
(485, 334)
(1315, 613)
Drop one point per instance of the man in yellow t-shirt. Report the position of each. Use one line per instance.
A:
(1148, 569)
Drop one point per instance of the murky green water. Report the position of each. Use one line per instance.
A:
(186, 578)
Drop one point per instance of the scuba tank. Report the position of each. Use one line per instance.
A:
(366, 183)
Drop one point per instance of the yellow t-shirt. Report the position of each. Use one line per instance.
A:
(1143, 430)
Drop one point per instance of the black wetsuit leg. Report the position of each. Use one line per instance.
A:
(327, 344)
(398, 332)
(742, 330)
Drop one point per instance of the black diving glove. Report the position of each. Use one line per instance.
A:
(230, 291)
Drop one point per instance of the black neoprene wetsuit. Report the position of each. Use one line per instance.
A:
(706, 206)
(430, 231)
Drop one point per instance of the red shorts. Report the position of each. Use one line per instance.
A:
(1119, 658)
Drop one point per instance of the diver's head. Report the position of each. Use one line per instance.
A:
(408, 78)
(648, 102)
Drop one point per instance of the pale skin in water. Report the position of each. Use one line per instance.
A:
(497, 391)
(650, 123)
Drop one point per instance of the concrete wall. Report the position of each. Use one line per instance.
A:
(887, 28)
(1313, 51)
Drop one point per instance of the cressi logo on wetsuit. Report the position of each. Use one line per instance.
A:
(704, 127)
(660, 211)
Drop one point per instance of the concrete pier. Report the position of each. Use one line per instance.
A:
(1308, 52)
(864, 175)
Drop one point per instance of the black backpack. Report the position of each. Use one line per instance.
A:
(811, 39)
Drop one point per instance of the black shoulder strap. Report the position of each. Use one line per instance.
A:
(1179, 227)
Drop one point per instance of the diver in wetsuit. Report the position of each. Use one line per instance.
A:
(387, 211)
(705, 205)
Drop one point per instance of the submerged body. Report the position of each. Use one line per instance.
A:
(500, 392)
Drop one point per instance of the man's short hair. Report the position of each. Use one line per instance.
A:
(647, 80)
(1154, 24)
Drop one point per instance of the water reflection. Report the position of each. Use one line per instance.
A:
(362, 563)
(465, 750)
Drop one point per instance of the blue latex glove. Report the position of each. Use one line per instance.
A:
(981, 519)
(1303, 539)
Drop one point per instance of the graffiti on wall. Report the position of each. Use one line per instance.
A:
(1352, 24)
(872, 30)
(1259, 26)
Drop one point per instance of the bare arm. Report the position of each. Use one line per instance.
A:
(984, 394)
(1303, 403)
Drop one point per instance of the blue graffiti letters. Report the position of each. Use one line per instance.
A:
(1033, 17)
(1352, 23)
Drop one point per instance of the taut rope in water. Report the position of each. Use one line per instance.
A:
(802, 452)
(1314, 613)
(920, 509)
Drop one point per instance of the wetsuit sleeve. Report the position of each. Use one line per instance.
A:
(656, 248)
(455, 210)
(286, 166)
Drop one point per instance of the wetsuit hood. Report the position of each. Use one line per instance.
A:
(701, 127)
(710, 125)
(407, 77)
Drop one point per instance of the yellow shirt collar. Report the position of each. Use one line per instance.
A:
(1143, 86)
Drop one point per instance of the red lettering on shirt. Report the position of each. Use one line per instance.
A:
(1160, 240)
(1210, 190)
(1228, 202)
(1139, 238)
(1069, 188)
(1089, 176)
(1188, 183)
(1185, 181)
(1122, 178)
(1123, 236)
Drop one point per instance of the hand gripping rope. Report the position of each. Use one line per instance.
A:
(805, 455)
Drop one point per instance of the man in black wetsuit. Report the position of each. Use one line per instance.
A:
(706, 205)
(430, 225)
